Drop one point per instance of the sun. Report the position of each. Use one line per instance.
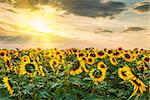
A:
(37, 22)
(40, 26)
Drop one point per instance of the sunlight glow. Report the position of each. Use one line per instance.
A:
(39, 22)
(40, 26)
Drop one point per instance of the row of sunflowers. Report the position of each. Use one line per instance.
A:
(88, 74)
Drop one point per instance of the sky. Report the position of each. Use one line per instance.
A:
(74, 23)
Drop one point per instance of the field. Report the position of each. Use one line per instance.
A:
(74, 74)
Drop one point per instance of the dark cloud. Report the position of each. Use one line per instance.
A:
(130, 29)
(88, 8)
(142, 7)
(93, 8)
(13, 39)
(100, 30)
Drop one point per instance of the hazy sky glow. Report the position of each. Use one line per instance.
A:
(74, 23)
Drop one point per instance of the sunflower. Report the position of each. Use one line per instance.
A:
(8, 85)
(109, 52)
(76, 67)
(8, 64)
(97, 75)
(125, 73)
(102, 66)
(54, 64)
(29, 68)
(116, 54)
(120, 49)
(146, 59)
(100, 53)
(3, 53)
(81, 56)
(25, 59)
(127, 56)
(137, 52)
(57, 52)
(93, 54)
(139, 86)
(90, 60)
(113, 60)
(133, 57)
(41, 72)
(32, 56)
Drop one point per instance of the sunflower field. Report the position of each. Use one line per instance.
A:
(74, 74)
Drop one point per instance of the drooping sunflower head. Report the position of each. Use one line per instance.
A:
(139, 86)
(113, 61)
(76, 68)
(30, 67)
(8, 85)
(125, 73)
(97, 75)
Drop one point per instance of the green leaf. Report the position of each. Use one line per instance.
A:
(28, 88)
(53, 85)
(69, 97)
(112, 90)
(44, 94)
(91, 97)
(87, 79)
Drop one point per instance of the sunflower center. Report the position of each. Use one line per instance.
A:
(2, 53)
(57, 53)
(120, 49)
(147, 59)
(92, 55)
(81, 54)
(30, 68)
(90, 60)
(136, 82)
(113, 59)
(116, 53)
(124, 73)
(127, 56)
(75, 50)
(100, 53)
(102, 66)
(97, 73)
(8, 63)
(83, 58)
(54, 62)
(109, 51)
(136, 52)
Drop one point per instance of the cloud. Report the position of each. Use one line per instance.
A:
(131, 29)
(88, 8)
(142, 7)
(100, 30)
(13, 39)
(93, 8)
